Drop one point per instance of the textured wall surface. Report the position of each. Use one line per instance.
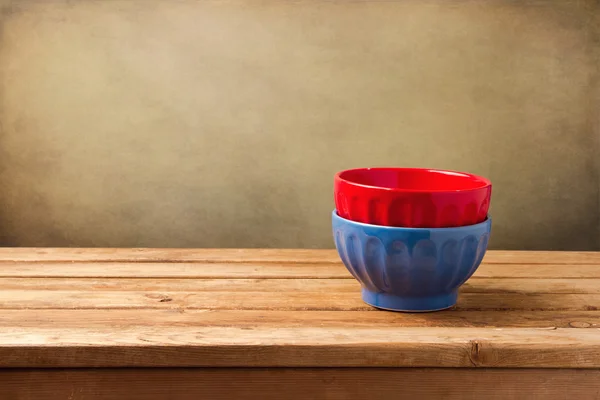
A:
(221, 123)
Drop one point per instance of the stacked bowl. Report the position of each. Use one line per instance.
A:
(411, 236)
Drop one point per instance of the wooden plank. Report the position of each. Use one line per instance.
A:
(542, 257)
(173, 318)
(300, 383)
(482, 285)
(190, 285)
(299, 347)
(309, 300)
(262, 255)
(531, 271)
(174, 270)
(529, 286)
(169, 255)
(263, 270)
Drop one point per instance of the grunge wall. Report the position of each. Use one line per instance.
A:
(221, 123)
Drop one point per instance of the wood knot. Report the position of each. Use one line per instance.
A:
(162, 298)
(579, 324)
(475, 353)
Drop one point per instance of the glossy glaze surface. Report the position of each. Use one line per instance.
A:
(410, 269)
(412, 197)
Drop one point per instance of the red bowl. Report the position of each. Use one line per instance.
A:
(412, 197)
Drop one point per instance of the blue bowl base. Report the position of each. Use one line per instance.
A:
(392, 302)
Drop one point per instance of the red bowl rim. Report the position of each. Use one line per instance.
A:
(485, 183)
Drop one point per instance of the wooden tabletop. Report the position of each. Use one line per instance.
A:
(285, 308)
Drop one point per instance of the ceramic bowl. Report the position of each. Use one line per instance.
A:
(412, 197)
(410, 269)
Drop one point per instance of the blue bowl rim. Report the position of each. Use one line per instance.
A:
(487, 221)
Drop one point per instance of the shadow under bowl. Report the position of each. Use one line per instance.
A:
(410, 269)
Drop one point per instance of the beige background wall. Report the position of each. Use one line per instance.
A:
(221, 123)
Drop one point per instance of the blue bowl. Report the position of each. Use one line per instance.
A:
(410, 269)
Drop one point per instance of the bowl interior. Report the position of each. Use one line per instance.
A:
(414, 179)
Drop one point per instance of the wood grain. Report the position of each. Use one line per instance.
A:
(303, 383)
(258, 270)
(299, 347)
(299, 300)
(174, 318)
(262, 255)
(481, 285)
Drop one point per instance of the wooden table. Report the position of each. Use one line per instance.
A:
(275, 324)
